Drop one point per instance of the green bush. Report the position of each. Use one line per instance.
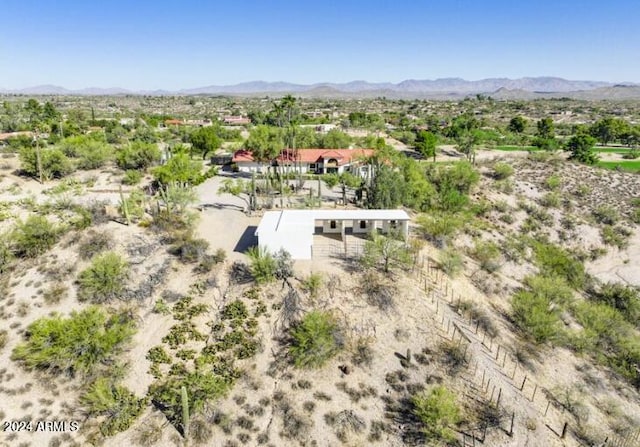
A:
(315, 340)
(555, 261)
(438, 411)
(439, 226)
(502, 171)
(180, 169)
(77, 344)
(104, 279)
(34, 236)
(53, 162)
(606, 215)
(624, 298)
(312, 284)
(202, 387)
(157, 354)
(263, 265)
(138, 155)
(553, 288)
(94, 155)
(609, 338)
(553, 182)
(617, 236)
(131, 177)
(550, 200)
(532, 315)
(117, 404)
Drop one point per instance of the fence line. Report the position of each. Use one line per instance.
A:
(435, 286)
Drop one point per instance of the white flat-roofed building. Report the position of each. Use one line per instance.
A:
(293, 230)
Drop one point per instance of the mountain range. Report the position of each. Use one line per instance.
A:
(500, 88)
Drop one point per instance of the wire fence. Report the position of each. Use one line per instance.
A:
(497, 372)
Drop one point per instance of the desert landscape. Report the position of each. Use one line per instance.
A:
(139, 308)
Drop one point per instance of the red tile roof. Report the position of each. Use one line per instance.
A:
(342, 156)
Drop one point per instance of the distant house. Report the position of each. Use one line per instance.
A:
(236, 120)
(316, 161)
(173, 122)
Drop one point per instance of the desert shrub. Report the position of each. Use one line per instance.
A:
(98, 212)
(617, 236)
(201, 387)
(94, 243)
(451, 262)
(315, 339)
(582, 191)
(439, 226)
(312, 284)
(219, 256)
(4, 336)
(157, 354)
(138, 155)
(550, 200)
(200, 430)
(6, 255)
(438, 411)
(148, 434)
(533, 314)
(132, 206)
(609, 337)
(94, 155)
(553, 182)
(362, 352)
(131, 177)
(453, 356)
(77, 344)
(553, 288)
(263, 265)
(479, 316)
(235, 310)
(104, 279)
(53, 162)
(119, 406)
(606, 214)
(189, 249)
(553, 260)
(386, 252)
(55, 293)
(502, 171)
(344, 423)
(487, 253)
(284, 264)
(624, 298)
(34, 236)
(378, 290)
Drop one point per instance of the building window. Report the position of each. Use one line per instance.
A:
(363, 224)
(312, 166)
(393, 224)
(333, 224)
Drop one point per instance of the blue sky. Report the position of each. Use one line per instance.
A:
(140, 44)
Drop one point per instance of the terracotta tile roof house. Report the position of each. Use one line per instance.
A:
(173, 122)
(319, 161)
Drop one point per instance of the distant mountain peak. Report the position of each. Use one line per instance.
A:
(409, 88)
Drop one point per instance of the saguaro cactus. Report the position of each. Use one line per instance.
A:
(185, 413)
